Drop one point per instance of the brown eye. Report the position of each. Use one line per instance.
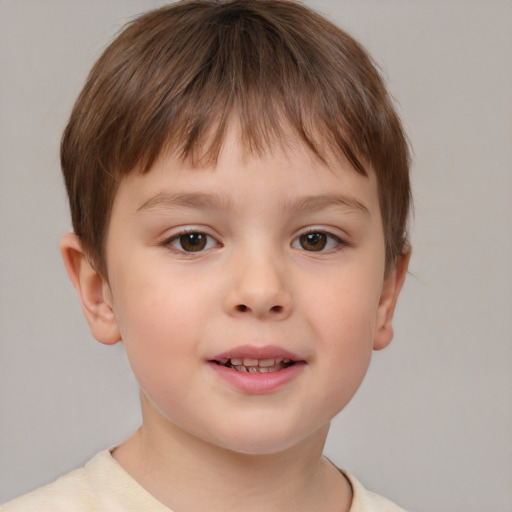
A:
(319, 241)
(193, 242)
(313, 241)
(190, 241)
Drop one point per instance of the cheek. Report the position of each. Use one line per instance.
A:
(160, 329)
(342, 315)
(343, 308)
(159, 304)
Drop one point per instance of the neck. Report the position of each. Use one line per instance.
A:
(187, 473)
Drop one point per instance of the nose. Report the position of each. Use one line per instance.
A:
(259, 287)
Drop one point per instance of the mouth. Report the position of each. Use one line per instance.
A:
(252, 365)
(257, 370)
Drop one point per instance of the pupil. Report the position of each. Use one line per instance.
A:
(313, 241)
(192, 242)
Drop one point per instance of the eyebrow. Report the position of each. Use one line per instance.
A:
(323, 202)
(198, 200)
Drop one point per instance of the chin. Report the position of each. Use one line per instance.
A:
(265, 440)
(260, 446)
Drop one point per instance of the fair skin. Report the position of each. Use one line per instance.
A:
(275, 262)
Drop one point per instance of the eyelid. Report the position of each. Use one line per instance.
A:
(339, 239)
(167, 242)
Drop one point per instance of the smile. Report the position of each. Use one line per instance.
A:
(257, 370)
(251, 365)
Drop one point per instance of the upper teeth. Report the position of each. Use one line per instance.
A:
(248, 361)
(249, 364)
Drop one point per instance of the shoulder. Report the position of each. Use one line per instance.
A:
(367, 501)
(101, 485)
(69, 492)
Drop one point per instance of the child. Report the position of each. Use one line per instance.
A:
(238, 182)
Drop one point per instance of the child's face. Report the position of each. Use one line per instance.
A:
(257, 259)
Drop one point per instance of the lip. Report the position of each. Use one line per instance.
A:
(257, 383)
(255, 352)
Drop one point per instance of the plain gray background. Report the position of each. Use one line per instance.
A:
(431, 427)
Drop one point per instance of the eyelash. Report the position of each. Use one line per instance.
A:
(169, 242)
(328, 241)
(333, 243)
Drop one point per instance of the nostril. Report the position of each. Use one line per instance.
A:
(242, 308)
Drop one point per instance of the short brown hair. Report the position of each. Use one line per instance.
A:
(175, 76)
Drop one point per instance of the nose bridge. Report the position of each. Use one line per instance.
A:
(259, 286)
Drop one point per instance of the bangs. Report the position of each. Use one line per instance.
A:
(272, 76)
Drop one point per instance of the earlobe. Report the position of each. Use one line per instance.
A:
(391, 288)
(93, 291)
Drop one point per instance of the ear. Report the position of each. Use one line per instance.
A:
(92, 289)
(391, 287)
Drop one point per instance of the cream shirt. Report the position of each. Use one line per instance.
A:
(102, 485)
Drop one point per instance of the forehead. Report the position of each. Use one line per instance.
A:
(285, 172)
(235, 145)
